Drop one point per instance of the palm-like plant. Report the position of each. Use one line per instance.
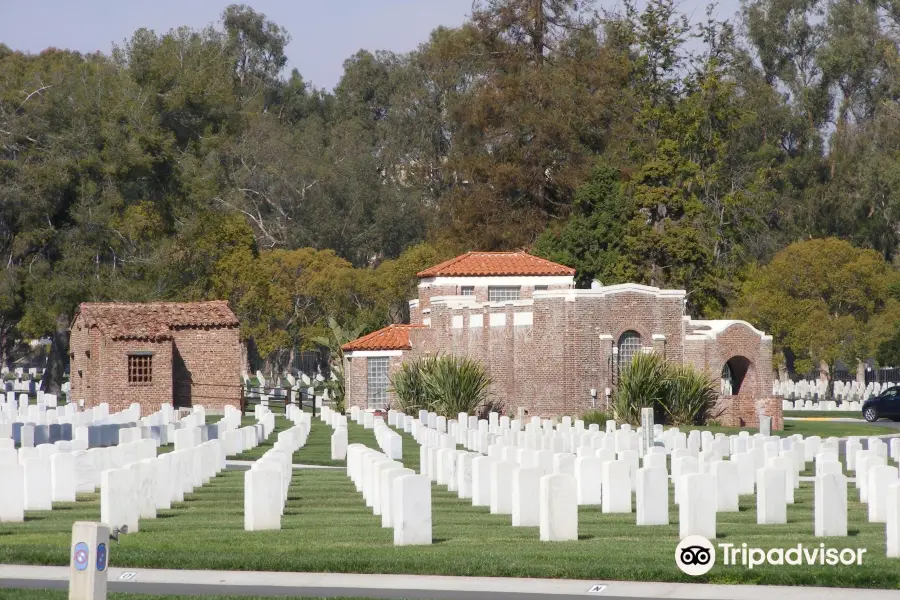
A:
(455, 384)
(444, 384)
(690, 397)
(642, 385)
(408, 385)
(335, 338)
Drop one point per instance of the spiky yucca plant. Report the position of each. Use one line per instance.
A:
(641, 385)
(690, 396)
(408, 385)
(455, 384)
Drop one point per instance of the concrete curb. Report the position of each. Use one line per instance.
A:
(412, 586)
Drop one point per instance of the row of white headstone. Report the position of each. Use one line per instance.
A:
(21, 372)
(400, 497)
(139, 489)
(35, 478)
(339, 438)
(268, 480)
(846, 391)
(509, 479)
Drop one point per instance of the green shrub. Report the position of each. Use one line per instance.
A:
(679, 394)
(446, 385)
(408, 385)
(642, 385)
(691, 396)
(456, 384)
(595, 416)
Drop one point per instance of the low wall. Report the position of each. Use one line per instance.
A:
(744, 410)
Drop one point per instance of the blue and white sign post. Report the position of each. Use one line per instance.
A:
(89, 558)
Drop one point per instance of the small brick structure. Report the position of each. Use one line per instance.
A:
(155, 353)
(547, 346)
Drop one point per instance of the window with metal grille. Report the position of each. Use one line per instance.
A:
(378, 382)
(467, 290)
(140, 369)
(503, 293)
(629, 345)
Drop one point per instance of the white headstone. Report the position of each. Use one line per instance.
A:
(558, 508)
(725, 473)
(339, 444)
(38, 490)
(501, 487)
(616, 485)
(652, 496)
(62, 477)
(893, 521)
(464, 474)
(880, 478)
(12, 500)
(481, 481)
(262, 499)
(830, 505)
(411, 499)
(697, 511)
(526, 504)
(771, 496)
(589, 476)
(387, 490)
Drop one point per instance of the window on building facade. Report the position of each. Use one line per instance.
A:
(538, 288)
(467, 290)
(140, 369)
(378, 382)
(503, 293)
(629, 346)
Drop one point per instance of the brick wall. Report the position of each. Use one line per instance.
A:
(742, 348)
(79, 376)
(207, 362)
(207, 367)
(550, 366)
(110, 382)
(356, 380)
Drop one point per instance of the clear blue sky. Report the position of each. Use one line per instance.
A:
(324, 32)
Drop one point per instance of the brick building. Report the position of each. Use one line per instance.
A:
(166, 352)
(554, 349)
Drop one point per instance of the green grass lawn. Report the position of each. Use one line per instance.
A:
(807, 428)
(828, 414)
(327, 528)
(317, 450)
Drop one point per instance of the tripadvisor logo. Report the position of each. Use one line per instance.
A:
(695, 555)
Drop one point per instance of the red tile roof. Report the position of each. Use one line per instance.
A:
(473, 264)
(392, 337)
(154, 320)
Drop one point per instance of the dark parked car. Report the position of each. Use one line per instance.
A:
(885, 405)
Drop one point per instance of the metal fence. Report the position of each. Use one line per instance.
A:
(186, 394)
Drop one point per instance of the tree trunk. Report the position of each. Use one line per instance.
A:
(540, 25)
(52, 380)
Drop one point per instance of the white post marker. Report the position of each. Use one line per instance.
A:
(89, 558)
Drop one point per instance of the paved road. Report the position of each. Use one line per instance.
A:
(159, 581)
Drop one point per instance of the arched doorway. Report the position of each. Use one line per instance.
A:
(734, 376)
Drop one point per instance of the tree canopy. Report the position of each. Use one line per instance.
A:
(634, 146)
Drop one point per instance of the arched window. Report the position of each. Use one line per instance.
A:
(629, 345)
